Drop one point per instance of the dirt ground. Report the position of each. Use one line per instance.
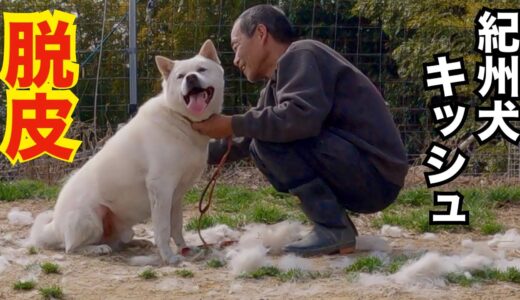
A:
(111, 277)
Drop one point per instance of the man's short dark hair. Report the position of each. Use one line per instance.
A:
(273, 18)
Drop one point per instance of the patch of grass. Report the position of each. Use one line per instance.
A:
(486, 275)
(27, 189)
(411, 211)
(237, 206)
(473, 193)
(417, 219)
(226, 197)
(301, 217)
(396, 263)
(269, 214)
(148, 274)
(50, 268)
(267, 271)
(192, 196)
(460, 279)
(367, 264)
(51, 292)
(491, 227)
(503, 194)
(415, 197)
(32, 250)
(24, 285)
(409, 218)
(233, 221)
(300, 275)
(318, 274)
(270, 193)
(215, 263)
(371, 264)
(258, 213)
(184, 273)
(510, 275)
(233, 199)
(207, 221)
(290, 275)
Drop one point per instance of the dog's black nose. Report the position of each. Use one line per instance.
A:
(192, 80)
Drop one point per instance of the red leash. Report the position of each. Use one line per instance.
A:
(211, 187)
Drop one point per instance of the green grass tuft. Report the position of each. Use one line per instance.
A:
(268, 214)
(262, 272)
(207, 221)
(148, 274)
(27, 189)
(491, 227)
(485, 275)
(367, 264)
(192, 196)
(510, 275)
(51, 292)
(460, 279)
(415, 197)
(411, 210)
(184, 273)
(396, 263)
(371, 264)
(290, 275)
(215, 263)
(503, 194)
(32, 250)
(50, 268)
(24, 285)
(237, 206)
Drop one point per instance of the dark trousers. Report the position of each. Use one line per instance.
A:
(348, 172)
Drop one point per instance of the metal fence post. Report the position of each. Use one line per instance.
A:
(132, 51)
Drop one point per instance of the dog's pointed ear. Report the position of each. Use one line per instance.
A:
(208, 50)
(165, 65)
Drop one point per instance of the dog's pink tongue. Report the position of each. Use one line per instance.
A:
(198, 103)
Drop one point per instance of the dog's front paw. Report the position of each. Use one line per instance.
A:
(173, 260)
(140, 243)
(187, 251)
(96, 250)
(193, 253)
(190, 251)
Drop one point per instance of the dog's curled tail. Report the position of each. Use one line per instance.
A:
(42, 232)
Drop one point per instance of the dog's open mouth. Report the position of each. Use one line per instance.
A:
(198, 99)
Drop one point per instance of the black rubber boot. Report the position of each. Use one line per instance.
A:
(333, 230)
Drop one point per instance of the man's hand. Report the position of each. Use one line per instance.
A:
(217, 126)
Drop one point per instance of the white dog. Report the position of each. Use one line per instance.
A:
(145, 169)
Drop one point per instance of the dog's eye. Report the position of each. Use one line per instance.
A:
(180, 76)
(200, 70)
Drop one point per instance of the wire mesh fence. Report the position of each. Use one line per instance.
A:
(177, 29)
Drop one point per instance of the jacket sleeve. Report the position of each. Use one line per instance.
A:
(301, 108)
(239, 150)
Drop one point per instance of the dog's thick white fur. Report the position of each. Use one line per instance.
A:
(144, 170)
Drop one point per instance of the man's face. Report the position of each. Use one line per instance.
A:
(249, 53)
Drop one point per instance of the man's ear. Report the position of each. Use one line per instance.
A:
(209, 51)
(165, 65)
(261, 32)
